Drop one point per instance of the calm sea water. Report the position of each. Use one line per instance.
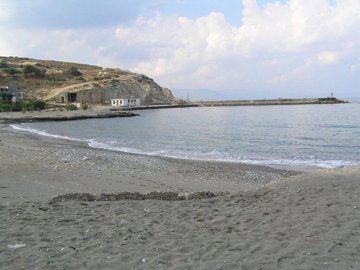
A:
(305, 135)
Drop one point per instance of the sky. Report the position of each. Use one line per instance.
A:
(221, 49)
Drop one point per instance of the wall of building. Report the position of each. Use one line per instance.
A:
(92, 96)
(125, 102)
(117, 103)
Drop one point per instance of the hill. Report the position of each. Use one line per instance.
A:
(48, 79)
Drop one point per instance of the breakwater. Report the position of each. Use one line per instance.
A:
(262, 102)
(222, 103)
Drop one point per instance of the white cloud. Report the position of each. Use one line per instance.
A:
(210, 47)
(328, 58)
(67, 45)
(5, 12)
(302, 72)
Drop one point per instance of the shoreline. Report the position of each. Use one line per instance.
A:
(288, 167)
(74, 165)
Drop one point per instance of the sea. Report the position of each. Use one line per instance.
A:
(296, 136)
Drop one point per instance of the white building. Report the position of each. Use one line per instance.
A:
(125, 102)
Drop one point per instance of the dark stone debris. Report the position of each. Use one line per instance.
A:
(164, 196)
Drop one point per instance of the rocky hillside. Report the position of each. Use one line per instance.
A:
(44, 79)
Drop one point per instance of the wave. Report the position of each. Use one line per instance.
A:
(106, 146)
(194, 155)
(219, 157)
(44, 133)
(329, 164)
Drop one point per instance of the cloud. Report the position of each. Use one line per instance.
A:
(328, 58)
(302, 72)
(279, 45)
(293, 34)
(5, 13)
(356, 66)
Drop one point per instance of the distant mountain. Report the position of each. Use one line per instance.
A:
(48, 79)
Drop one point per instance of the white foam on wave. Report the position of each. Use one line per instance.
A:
(106, 146)
(44, 133)
(219, 157)
(329, 164)
(216, 156)
(130, 150)
(297, 162)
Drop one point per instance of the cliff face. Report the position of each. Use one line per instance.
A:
(138, 86)
(48, 80)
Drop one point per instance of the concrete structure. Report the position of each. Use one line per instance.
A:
(12, 91)
(87, 96)
(117, 102)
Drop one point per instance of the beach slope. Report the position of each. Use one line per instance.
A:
(270, 219)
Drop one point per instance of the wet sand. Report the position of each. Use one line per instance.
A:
(263, 219)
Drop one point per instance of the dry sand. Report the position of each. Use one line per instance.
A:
(270, 219)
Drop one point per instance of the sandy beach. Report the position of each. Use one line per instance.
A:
(260, 218)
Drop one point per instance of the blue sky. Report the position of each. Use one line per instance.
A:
(232, 9)
(213, 48)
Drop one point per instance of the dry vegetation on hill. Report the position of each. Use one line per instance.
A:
(44, 79)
